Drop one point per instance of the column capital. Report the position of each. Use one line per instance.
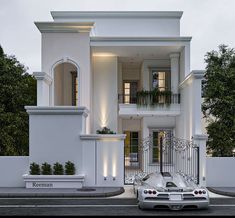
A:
(42, 76)
(174, 55)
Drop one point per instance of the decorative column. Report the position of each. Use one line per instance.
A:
(43, 91)
(174, 72)
(200, 140)
(197, 77)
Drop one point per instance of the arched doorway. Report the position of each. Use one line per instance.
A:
(66, 84)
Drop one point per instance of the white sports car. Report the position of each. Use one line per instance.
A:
(169, 191)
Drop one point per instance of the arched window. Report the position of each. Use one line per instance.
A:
(66, 84)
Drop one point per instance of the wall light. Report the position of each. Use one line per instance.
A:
(105, 178)
(114, 178)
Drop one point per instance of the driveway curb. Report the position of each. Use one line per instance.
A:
(219, 192)
(45, 193)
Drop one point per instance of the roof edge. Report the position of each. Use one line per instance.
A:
(115, 14)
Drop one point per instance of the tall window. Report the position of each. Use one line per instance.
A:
(74, 88)
(131, 148)
(155, 153)
(159, 80)
(130, 90)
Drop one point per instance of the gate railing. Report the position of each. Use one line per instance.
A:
(174, 155)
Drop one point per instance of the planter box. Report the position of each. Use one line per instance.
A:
(54, 181)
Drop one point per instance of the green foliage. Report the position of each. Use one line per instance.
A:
(46, 169)
(153, 97)
(219, 100)
(58, 169)
(105, 130)
(69, 168)
(34, 169)
(17, 89)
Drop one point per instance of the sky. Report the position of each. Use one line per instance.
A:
(209, 22)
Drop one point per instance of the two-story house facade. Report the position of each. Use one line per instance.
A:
(127, 71)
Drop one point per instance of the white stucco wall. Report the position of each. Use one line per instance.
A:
(105, 93)
(155, 122)
(131, 124)
(63, 47)
(103, 156)
(131, 73)
(184, 120)
(11, 170)
(220, 171)
(69, 47)
(54, 135)
(128, 25)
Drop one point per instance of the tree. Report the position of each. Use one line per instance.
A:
(17, 89)
(219, 100)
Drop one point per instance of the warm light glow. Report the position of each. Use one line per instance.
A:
(105, 168)
(103, 54)
(103, 117)
(114, 170)
(103, 109)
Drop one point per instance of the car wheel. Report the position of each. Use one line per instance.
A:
(141, 208)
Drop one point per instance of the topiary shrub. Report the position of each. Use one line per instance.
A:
(46, 169)
(34, 169)
(69, 168)
(58, 169)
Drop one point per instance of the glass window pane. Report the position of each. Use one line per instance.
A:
(127, 92)
(155, 156)
(126, 85)
(127, 99)
(135, 135)
(161, 75)
(162, 83)
(134, 141)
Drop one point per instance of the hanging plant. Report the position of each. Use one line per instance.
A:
(153, 97)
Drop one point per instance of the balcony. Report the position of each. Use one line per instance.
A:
(149, 103)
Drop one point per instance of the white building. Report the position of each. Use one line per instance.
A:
(100, 69)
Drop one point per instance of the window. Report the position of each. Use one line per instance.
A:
(159, 80)
(156, 148)
(74, 88)
(131, 148)
(130, 90)
(155, 153)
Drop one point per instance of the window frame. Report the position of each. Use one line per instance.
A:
(167, 71)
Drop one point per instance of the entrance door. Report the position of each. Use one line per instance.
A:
(131, 149)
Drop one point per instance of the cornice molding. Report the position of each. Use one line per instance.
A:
(64, 27)
(57, 110)
(195, 74)
(141, 39)
(42, 76)
(103, 137)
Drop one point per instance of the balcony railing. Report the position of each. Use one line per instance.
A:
(149, 99)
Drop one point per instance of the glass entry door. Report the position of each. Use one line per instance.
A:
(131, 144)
